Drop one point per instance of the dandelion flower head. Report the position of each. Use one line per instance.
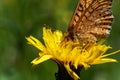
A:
(68, 53)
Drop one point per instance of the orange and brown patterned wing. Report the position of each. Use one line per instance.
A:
(91, 20)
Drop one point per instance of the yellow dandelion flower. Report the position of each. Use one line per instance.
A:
(67, 54)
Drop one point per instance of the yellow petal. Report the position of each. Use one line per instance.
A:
(86, 66)
(36, 43)
(41, 59)
(51, 40)
(104, 60)
(111, 53)
(71, 72)
(57, 36)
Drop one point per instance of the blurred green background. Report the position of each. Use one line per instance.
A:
(20, 18)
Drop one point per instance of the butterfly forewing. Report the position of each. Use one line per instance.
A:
(91, 21)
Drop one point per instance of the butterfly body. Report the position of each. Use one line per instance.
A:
(91, 21)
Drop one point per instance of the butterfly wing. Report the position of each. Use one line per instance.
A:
(91, 20)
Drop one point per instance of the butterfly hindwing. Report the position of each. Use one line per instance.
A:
(91, 20)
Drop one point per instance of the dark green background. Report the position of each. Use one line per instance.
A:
(20, 18)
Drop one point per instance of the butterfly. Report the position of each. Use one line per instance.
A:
(91, 21)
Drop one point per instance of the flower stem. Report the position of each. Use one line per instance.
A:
(62, 73)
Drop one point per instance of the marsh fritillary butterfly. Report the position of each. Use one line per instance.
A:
(91, 21)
